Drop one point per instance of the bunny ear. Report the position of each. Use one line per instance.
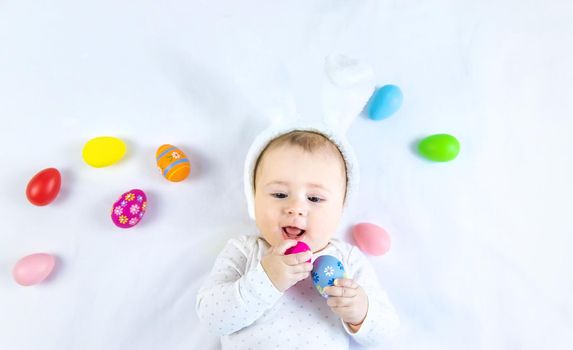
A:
(331, 92)
(305, 90)
(284, 108)
(346, 88)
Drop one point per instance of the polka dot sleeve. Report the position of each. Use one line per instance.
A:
(381, 319)
(237, 291)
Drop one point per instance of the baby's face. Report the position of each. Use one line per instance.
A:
(299, 195)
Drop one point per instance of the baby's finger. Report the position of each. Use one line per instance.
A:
(286, 244)
(298, 258)
(343, 292)
(345, 282)
(304, 267)
(301, 275)
(339, 302)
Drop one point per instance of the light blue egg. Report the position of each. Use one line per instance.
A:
(325, 269)
(384, 102)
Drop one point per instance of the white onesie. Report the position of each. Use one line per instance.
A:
(239, 302)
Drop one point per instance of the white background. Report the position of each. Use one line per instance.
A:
(482, 246)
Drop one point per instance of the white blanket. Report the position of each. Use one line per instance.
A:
(481, 246)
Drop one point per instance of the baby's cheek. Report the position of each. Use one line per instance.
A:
(270, 231)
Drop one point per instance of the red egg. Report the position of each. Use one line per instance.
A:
(44, 187)
(371, 239)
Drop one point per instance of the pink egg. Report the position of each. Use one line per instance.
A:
(298, 248)
(33, 269)
(128, 210)
(371, 239)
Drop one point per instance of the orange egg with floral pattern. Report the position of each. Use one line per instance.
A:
(173, 163)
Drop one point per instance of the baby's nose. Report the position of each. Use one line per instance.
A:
(295, 211)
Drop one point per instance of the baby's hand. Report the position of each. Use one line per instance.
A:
(349, 301)
(286, 270)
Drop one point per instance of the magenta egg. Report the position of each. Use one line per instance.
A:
(33, 269)
(128, 210)
(371, 239)
(298, 248)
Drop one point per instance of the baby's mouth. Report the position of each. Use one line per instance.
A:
(292, 232)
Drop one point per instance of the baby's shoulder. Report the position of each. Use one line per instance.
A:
(247, 243)
(245, 239)
(348, 253)
(341, 247)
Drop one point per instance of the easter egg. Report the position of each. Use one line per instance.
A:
(298, 248)
(103, 151)
(33, 269)
(371, 239)
(439, 147)
(384, 102)
(128, 210)
(44, 187)
(325, 269)
(172, 163)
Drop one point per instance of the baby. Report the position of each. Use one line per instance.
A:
(256, 297)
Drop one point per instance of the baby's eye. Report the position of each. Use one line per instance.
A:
(279, 195)
(315, 199)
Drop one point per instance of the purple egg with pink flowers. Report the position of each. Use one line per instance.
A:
(128, 210)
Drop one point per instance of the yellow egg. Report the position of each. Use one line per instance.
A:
(103, 151)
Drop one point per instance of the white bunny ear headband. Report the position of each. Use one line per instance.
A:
(327, 105)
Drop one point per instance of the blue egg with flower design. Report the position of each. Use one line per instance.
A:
(325, 269)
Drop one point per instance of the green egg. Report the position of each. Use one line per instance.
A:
(439, 147)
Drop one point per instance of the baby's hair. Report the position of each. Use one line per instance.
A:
(309, 141)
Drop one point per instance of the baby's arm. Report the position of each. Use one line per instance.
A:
(348, 300)
(363, 303)
(233, 298)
